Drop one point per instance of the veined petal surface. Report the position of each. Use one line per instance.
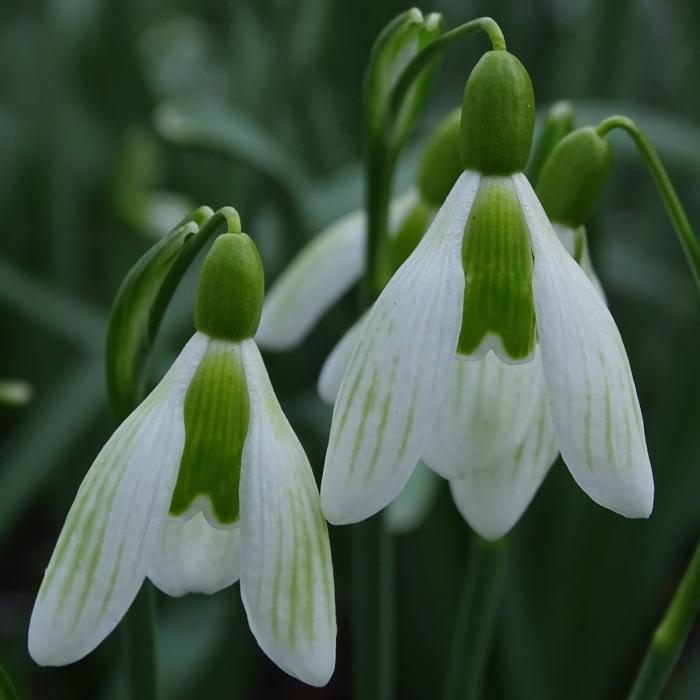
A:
(319, 275)
(194, 557)
(484, 414)
(593, 400)
(286, 568)
(114, 524)
(336, 363)
(492, 497)
(398, 371)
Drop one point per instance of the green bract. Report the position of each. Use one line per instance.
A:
(498, 303)
(231, 289)
(441, 165)
(135, 315)
(398, 43)
(498, 116)
(573, 176)
(216, 425)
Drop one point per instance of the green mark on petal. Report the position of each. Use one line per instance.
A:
(216, 425)
(497, 264)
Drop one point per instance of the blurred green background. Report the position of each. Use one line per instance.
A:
(116, 115)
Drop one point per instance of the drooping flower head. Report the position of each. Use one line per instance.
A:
(203, 484)
(490, 275)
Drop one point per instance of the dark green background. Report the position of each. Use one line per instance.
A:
(281, 82)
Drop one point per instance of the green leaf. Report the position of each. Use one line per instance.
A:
(7, 690)
(143, 298)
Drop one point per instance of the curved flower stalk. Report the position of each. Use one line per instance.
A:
(489, 275)
(205, 483)
(334, 260)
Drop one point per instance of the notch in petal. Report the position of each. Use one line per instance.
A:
(484, 415)
(194, 557)
(286, 568)
(114, 524)
(492, 496)
(592, 396)
(398, 371)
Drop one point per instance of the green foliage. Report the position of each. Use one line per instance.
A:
(279, 85)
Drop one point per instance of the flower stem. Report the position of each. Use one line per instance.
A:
(138, 632)
(373, 610)
(670, 636)
(668, 194)
(425, 57)
(476, 618)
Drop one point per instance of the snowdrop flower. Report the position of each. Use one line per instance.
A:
(203, 484)
(335, 259)
(489, 276)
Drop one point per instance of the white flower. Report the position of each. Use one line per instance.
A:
(203, 484)
(402, 368)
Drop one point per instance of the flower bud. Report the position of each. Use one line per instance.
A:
(231, 289)
(498, 115)
(440, 165)
(573, 176)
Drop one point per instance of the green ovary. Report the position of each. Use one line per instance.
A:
(216, 425)
(497, 262)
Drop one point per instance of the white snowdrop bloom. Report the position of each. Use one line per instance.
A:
(334, 260)
(490, 275)
(204, 484)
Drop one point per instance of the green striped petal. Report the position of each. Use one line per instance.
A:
(499, 312)
(398, 371)
(216, 424)
(592, 396)
(194, 557)
(492, 495)
(486, 411)
(114, 524)
(286, 568)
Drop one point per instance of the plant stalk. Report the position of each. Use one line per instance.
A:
(670, 636)
(476, 619)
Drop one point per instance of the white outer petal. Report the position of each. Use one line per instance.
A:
(484, 415)
(493, 497)
(592, 396)
(317, 277)
(286, 569)
(194, 557)
(336, 363)
(114, 523)
(399, 370)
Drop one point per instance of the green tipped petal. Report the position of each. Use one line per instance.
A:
(441, 164)
(499, 311)
(498, 116)
(216, 425)
(231, 289)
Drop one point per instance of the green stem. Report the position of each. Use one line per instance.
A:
(476, 618)
(382, 153)
(665, 187)
(138, 642)
(425, 57)
(373, 610)
(7, 690)
(670, 636)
